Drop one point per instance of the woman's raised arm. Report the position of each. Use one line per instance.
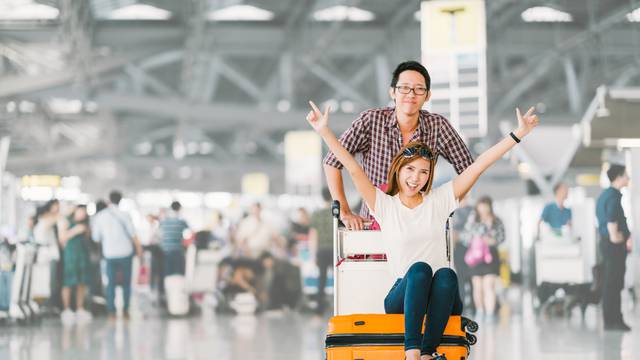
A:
(463, 182)
(319, 122)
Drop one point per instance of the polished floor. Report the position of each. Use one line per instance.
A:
(517, 334)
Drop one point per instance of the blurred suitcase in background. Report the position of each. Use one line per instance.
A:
(176, 294)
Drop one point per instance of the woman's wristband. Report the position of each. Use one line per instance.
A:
(514, 137)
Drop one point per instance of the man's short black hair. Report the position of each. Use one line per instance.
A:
(411, 65)
(176, 206)
(115, 196)
(615, 171)
(265, 255)
(100, 205)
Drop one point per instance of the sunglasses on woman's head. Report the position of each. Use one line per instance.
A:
(412, 151)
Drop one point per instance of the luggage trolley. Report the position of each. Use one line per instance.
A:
(360, 328)
(22, 308)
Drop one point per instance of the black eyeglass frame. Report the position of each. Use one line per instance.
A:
(410, 89)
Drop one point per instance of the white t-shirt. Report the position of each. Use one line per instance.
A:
(114, 229)
(418, 234)
(257, 233)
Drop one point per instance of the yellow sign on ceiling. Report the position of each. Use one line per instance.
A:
(41, 180)
(453, 24)
(255, 184)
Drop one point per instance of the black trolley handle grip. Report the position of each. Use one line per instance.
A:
(335, 209)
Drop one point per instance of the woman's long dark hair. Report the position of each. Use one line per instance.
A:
(47, 206)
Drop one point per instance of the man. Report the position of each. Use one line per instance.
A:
(555, 214)
(172, 228)
(114, 229)
(321, 243)
(615, 239)
(380, 133)
(255, 236)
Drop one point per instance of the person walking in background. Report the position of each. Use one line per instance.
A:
(555, 215)
(46, 235)
(458, 223)
(321, 244)
(299, 232)
(484, 232)
(95, 258)
(114, 229)
(615, 241)
(74, 232)
(254, 235)
(172, 229)
(7, 261)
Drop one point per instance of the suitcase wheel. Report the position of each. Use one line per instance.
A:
(472, 339)
(469, 325)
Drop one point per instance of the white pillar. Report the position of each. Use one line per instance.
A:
(4, 154)
(633, 169)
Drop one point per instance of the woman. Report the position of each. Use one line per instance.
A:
(487, 228)
(74, 233)
(404, 212)
(45, 235)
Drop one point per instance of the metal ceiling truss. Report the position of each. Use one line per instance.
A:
(151, 81)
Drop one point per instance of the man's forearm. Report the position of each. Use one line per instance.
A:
(336, 186)
(615, 235)
(618, 238)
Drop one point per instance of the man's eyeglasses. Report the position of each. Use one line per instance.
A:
(412, 151)
(403, 89)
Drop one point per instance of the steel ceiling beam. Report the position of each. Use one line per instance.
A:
(549, 57)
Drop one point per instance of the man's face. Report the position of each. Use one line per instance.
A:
(624, 179)
(410, 103)
(562, 193)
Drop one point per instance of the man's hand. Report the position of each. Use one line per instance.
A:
(352, 221)
(139, 252)
(316, 118)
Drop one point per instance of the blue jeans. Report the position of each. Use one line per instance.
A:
(421, 292)
(174, 262)
(118, 270)
(6, 282)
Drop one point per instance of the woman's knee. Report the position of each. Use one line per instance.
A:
(445, 278)
(489, 281)
(420, 271)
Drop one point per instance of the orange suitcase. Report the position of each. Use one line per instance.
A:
(381, 336)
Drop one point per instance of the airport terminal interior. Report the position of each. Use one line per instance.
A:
(163, 193)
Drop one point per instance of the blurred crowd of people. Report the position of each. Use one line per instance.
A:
(88, 257)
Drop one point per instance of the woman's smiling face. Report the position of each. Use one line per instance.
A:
(413, 176)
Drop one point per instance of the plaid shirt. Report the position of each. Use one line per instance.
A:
(376, 135)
